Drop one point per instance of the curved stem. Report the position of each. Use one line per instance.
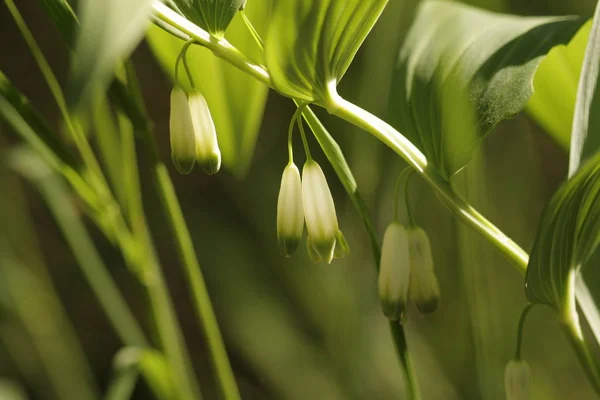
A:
(520, 329)
(408, 171)
(183, 56)
(303, 136)
(459, 207)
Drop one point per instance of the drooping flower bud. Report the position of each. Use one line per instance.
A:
(290, 212)
(424, 290)
(183, 140)
(517, 380)
(319, 211)
(394, 272)
(208, 154)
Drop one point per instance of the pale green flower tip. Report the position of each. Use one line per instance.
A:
(325, 249)
(394, 272)
(427, 305)
(181, 133)
(211, 164)
(314, 256)
(182, 165)
(393, 310)
(290, 211)
(341, 246)
(288, 245)
(517, 380)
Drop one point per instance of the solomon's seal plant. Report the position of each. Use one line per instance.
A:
(459, 72)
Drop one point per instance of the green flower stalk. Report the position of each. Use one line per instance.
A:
(394, 272)
(208, 154)
(290, 212)
(183, 140)
(517, 380)
(319, 211)
(424, 289)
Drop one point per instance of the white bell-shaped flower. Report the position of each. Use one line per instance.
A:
(394, 272)
(517, 380)
(424, 289)
(319, 211)
(290, 212)
(181, 130)
(208, 154)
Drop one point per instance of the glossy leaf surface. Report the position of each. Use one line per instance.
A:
(311, 44)
(462, 70)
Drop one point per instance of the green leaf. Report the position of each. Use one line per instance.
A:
(567, 237)
(569, 230)
(236, 101)
(462, 70)
(311, 44)
(214, 16)
(555, 88)
(109, 32)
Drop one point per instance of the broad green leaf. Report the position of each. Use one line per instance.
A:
(311, 44)
(214, 16)
(569, 230)
(109, 32)
(236, 101)
(555, 88)
(567, 236)
(462, 70)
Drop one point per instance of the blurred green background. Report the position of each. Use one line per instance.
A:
(294, 329)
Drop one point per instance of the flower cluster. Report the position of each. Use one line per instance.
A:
(406, 272)
(193, 134)
(308, 198)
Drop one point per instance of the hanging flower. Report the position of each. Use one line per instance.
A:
(517, 380)
(394, 272)
(290, 213)
(181, 129)
(208, 154)
(424, 290)
(319, 211)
